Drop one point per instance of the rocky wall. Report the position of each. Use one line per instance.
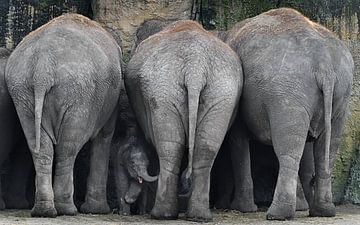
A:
(126, 15)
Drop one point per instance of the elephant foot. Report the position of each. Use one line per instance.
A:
(17, 203)
(95, 207)
(66, 208)
(280, 211)
(323, 210)
(199, 215)
(44, 209)
(164, 213)
(301, 204)
(243, 206)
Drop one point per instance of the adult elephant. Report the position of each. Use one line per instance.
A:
(183, 84)
(65, 79)
(12, 141)
(297, 84)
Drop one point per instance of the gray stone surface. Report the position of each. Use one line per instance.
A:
(126, 15)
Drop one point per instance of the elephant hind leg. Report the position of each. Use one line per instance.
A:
(44, 195)
(95, 199)
(70, 141)
(166, 202)
(289, 130)
(63, 177)
(169, 140)
(322, 204)
(43, 162)
(43, 158)
(241, 163)
(213, 122)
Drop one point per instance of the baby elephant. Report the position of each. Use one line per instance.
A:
(64, 79)
(183, 84)
(131, 174)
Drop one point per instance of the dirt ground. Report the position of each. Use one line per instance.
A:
(347, 214)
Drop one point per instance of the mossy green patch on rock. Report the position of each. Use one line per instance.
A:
(346, 154)
(347, 171)
(352, 192)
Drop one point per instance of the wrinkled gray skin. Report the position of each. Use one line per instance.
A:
(297, 84)
(12, 141)
(64, 79)
(129, 149)
(183, 84)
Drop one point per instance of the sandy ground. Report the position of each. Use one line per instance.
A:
(347, 214)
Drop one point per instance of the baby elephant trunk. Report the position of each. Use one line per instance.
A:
(143, 175)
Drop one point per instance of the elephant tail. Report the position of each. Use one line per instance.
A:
(328, 91)
(43, 80)
(39, 94)
(193, 104)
